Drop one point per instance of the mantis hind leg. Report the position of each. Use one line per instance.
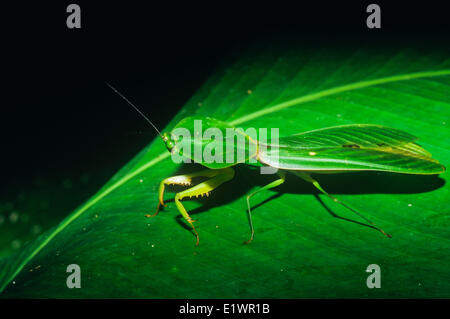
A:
(218, 177)
(275, 183)
(316, 184)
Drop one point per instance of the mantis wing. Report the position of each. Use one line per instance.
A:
(359, 147)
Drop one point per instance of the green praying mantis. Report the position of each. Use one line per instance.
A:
(338, 149)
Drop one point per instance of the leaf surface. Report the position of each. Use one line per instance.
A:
(299, 250)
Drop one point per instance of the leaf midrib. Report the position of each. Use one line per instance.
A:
(339, 89)
(303, 99)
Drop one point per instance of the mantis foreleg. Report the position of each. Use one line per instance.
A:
(218, 177)
(185, 180)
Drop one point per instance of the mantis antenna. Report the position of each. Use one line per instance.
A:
(135, 107)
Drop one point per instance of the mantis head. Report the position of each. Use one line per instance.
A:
(170, 144)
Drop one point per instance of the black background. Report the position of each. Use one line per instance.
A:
(60, 121)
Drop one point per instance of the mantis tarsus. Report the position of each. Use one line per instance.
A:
(354, 147)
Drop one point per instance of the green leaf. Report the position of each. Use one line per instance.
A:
(299, 250)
